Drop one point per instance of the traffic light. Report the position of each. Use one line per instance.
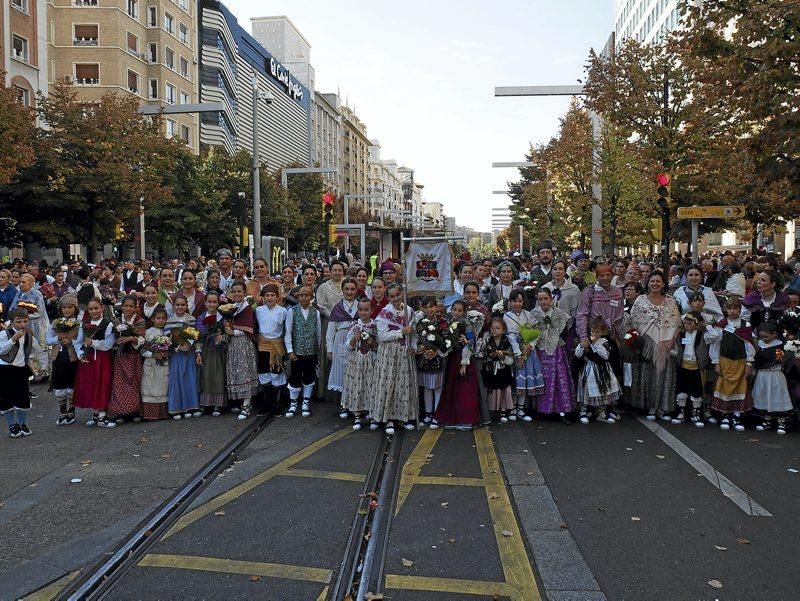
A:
(656, 231)
(327, 207)
(663, 181)
(331, 233)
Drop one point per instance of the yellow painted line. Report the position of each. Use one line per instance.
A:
(248, 485)
(450, 585)
(448, 481)
(413, 465)
(516, 566)
(231, 566)
(324, 475)
(52, 590)
(324, 594)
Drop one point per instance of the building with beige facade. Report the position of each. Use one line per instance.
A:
(326, 139)
(23, 51)
(384, 181)
(355, 157)
(148, 49)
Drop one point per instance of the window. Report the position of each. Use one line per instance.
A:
(20, 5)
(23, 95)
(186, 134)
(19, 48)
(133, 82)
(87, 74)
(170, 128)
(85, 2)
(183, 33)
(184, 4)
(169, 93)
(152, 91)
(152, 52)
(133, 44)
(169, 23)
(152, 16)
(184, 68)
(169, 58)
(84, 35)
(185, 98)
(133, 8)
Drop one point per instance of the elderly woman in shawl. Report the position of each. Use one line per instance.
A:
(508, 278)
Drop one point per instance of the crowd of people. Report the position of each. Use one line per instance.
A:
(519, 337)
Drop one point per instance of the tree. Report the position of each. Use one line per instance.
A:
(17, 127)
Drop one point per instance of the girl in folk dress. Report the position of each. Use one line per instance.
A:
(597, 385)
(303, 341)
(359, 377)
(498, 355)
(155, 372)
(94, 373)
(241, 360)
(732, 355)
(182, 395)
(770, 390)
(271, 318)
(550, 347)
(64, 356)
(126, 387)
(149, 303)
(430, 362)
(211, 359)
(341, 318)
(397, 398)
(459, 407)
(529, 380)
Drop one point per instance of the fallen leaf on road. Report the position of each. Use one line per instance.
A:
(450, 475)
(135, 455)
(363, 511)
(255, 578)
(451, 540)
(430, 456)
(199, 445)
(148, 533)
(373, 597)
(601, 509)
(373, 505)
(525, 450)
(628, 449)
(143, 439)
(407, 562)
(507, 533)
(715, 584)
(542, 443)
(166, 456)
(218, 513)
(752, 440)
(494, 495)
(636, 519)
(85, 461)
(718, 548)
(531, 473)
(639, 440)
(742, 541)
(2, 504)
(34, 485)
(660, 456)
(563, 526)
(445, 504)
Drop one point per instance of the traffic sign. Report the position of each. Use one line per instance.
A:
(719, 212)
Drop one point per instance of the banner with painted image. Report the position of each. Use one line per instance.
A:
(429, 268)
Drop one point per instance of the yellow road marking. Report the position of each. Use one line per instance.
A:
(448, 481)
(323, 595)
(450, 585)
(52, 590)
(516, 567)
(248, 485)
(231, 566)
(346, 476)
(413, 465)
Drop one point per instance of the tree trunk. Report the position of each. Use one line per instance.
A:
(612, 226)
(754, 240)
(91, 251)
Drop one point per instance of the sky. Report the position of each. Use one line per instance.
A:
(421, 75)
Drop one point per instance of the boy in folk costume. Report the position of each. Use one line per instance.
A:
(61, 337)
(693, 360)
(17, 344)
(271, 319)
(303, 340)
(732, 354)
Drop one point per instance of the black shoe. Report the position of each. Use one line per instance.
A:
(25, 430)
(14, 431)
(565, 419)
(33, 396)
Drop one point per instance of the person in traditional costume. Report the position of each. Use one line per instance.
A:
(553, 323)
(195, 297)
(261, 277)
(149, 303)
(694, 285)
(303, 341)
(17, 345)
(95, 370)
(126, 386)
(502, 291)
(693, 360)
(155, 371)
(7, 293)
(166, 287)
(430, 359)
(770, 389)
(362, 278)
(241, 368)
(528, 377)
(498, 356)
(359, 377)
(38, 324)
(341, 318)
(183, 398)
(768, 302)
(271, 320)
(130, 277)
(211, 359)
(567, 297)
(64, 356)
(395, 397)
(308, 278)
(598, 387)
(460, 404)
(378, 298)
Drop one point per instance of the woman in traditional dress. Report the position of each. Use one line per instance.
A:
(557, 396)
(378, 299)
(362, 287)
(38, 322)
(195, 297)
(694, 285)
(767, 303)
(211, 358)
(341, 318)
(126, 387)
(567, 297)
(658, 320)
(241, 359)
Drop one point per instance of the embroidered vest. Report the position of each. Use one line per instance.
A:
(11, 353)
(304, 331)
(129, 282)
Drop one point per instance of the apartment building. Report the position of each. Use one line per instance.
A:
(23, 51)
(326, 140)
(355, 157)
(147, 48)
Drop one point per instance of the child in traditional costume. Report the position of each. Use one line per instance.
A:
(693, 361)
(155, 372)
(64, 356)
(598, 386)
(95, 370)
(241, 359)
(17, 344)
(770, 390)
(430, 357)
(211, 359)
(528, 377)
(149, 303)
(498, 356)
(126, 387)
(359, 376)
(341, 318)
(303, 341)
(183, 398)
(551, 349)
(271, 320)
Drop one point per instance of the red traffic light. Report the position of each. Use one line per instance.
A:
(327, 198)
(663, 179)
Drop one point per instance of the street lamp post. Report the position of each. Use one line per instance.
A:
(285, 173)
(141, 228)
(267, 97)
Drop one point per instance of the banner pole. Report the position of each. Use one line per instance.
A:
(405, 308)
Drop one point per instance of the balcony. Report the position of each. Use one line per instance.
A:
(87, 81)
(85, 2)
(84, 42)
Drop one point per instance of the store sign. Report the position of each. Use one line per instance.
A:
(282, 76)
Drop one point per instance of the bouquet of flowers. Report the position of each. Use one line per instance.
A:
(228, 310)
(124, 330)
(89, 331)
(499, 307)
(432, 336)
(213, 327)
(63, 325)
(792, 346)
(529, 334)
(30, 307)
(367, 336)
(630, 338)
(185, 335)
(160, 344)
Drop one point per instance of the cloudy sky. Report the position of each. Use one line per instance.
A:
(421, 74)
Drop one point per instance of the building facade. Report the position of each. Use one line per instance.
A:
(128, 46)
(647, 21)
(231, 60)
(326, 139)
(355, 157)
(23, 53)
(385, 183)
(501, 218)
(287, 45)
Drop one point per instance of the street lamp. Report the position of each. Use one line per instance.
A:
(267, 97)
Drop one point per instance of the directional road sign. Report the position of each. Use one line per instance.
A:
(720, 212)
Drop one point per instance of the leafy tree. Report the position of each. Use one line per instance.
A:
(17, 126)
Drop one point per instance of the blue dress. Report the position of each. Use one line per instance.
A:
(182, 392)
(528, 379)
